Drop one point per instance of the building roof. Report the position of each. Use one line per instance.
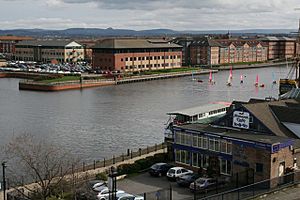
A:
(14, 38)
(264, 114)
(273, 38)
(134, 44)
(237, 134)
(205, 42)
(197, 110)
(48, 43)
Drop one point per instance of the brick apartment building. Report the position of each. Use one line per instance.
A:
(51, 50)
(280, 47)
(256, 136)
(136, 55)
(7, 44)
(208, 51)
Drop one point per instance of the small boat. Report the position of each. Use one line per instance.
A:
(262, 85)
(210, 76)
(193, 78)
(274, 81)
(256, 82)
(229, 81)
(200, 81)
(230, 74)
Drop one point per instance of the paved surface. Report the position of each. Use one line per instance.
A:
(146, 183)
(290, 193)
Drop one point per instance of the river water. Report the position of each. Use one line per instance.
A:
(101, 122)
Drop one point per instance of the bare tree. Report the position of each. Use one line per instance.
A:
(34, 160)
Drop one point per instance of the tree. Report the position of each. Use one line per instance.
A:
(36, 160)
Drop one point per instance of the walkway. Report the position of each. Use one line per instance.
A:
(93, 172)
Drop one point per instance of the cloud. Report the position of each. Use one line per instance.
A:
(147, 14)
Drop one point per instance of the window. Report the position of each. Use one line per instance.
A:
(177, 158)
(259, 167)
(121, 59)
(214, 144)
(195, 159)
(225, 167)
(195, 141)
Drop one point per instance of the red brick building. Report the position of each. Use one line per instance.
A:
(136, 55)
(7, 44)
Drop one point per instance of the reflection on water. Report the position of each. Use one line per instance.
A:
(99, 122)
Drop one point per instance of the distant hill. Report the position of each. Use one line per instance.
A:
(97, 32)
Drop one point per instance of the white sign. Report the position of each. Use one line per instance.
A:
(241, 119)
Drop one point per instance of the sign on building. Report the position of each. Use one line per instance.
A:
(241, 119)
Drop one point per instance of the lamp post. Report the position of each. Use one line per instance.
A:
(4, 181)
(112, 183)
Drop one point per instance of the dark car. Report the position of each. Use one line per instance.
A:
(159, 169)
(186, 180)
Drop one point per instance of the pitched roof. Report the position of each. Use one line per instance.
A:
(47, 43)
(134, 44)
(287, 114)
(263, 113)
(273, 38)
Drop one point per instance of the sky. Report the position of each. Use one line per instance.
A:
(150, 14)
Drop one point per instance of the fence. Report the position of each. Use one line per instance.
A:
(123, 157)
(258, 188)
(163, 194)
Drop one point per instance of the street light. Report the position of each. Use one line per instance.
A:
(4, 181)
(112, 183)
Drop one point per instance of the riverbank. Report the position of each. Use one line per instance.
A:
(87, 83)
(82, 83)
(249, 66)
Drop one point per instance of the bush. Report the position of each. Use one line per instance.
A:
(142, 164)
(101, 176)
(128, 169)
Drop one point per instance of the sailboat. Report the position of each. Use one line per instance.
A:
(242, 81)
(273, 76)
(213, 78)
(229, 81)
(230, 74)
(193, 78)
(256, 82)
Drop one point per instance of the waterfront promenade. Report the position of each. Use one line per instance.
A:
(89, 172)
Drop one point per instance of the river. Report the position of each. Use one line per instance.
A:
(100, 122)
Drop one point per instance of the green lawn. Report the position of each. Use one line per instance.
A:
(65, 78)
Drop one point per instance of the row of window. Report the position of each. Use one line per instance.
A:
(201, 160)
(152, 65)
(150, 58)
(203, 142)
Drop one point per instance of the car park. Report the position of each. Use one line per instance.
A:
(186, 180)
(176, 172)
(159, 169)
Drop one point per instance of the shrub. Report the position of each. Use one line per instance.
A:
(101, 176)
(128, 168)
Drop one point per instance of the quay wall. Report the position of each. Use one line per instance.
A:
(249, 66)
(59, 87)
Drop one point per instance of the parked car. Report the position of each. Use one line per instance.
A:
(159, 169)
(104, 193)
(126, 196)
(97, 185)
(176, 172)
(203, 184)
(186, 180)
